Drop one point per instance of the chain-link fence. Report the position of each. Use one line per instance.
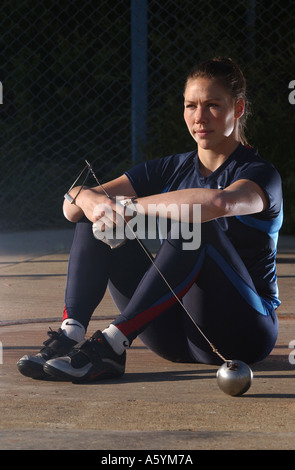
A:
(103, 80)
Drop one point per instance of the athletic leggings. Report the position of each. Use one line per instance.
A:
(212, 282)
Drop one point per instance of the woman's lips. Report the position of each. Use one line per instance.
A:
(203, 132)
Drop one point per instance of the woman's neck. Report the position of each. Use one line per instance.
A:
(210, 160)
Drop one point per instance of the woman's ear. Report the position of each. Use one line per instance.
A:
(239, 108)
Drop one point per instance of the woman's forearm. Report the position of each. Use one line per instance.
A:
(181, 204)
(241, 198)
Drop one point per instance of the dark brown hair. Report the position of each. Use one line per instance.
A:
(230, 76)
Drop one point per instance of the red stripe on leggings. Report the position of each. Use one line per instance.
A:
(140, 320)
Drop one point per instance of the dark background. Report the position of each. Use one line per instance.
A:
(65, 67)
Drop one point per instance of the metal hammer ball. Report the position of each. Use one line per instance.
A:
(234, 377)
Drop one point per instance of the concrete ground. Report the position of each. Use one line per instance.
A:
(157, 404)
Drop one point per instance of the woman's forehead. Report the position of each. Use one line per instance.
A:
(205, 89)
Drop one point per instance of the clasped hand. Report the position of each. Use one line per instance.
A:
(108, 214)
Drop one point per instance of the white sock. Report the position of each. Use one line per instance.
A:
(73, 329)
(116, 339)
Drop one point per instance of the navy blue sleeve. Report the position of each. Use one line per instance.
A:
(266, 176)
(160, 175)
(141, 180)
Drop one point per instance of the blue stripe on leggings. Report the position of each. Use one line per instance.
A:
(259, 304)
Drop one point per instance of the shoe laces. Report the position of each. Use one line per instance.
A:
(47, 351)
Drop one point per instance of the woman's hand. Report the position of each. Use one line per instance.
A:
(84, 204)
(98, 207)
(89, 198)
(108, 214)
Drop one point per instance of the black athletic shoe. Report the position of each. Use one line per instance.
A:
(57, 345)
(89, 361)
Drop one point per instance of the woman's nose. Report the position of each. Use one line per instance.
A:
(200, 115)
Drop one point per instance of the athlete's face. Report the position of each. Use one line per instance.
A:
(210, 114)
